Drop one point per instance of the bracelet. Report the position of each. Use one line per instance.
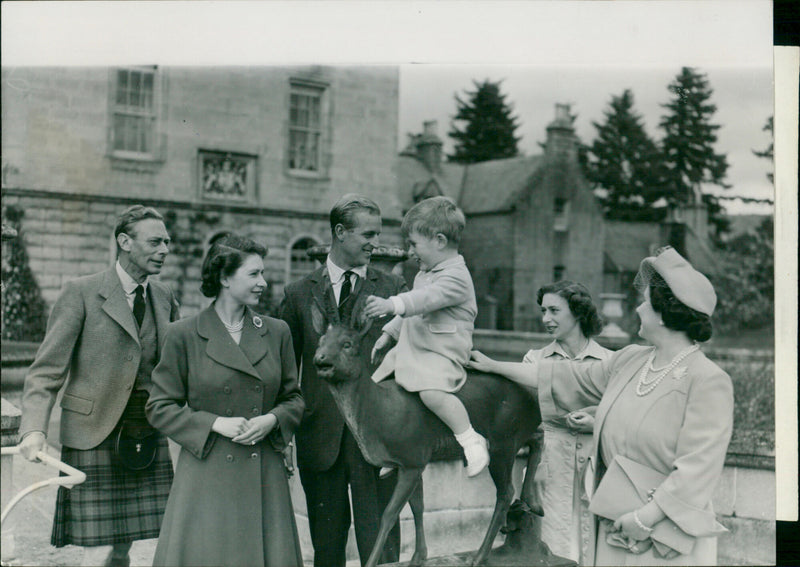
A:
(639, 522)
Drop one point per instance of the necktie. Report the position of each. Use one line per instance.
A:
(138, 305)
(347, 287)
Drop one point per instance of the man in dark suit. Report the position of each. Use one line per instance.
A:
(327, 455)
(103, 339)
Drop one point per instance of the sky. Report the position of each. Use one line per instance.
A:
(547, 52)
(743, 97)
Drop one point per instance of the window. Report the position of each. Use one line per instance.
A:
(560, 214)
(134, 112)
(300, 263)
(305, 128)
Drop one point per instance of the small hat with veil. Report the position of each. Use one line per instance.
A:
(687, 284)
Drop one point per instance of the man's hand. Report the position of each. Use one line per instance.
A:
(31, 444)
(381, 346)
(378, 307)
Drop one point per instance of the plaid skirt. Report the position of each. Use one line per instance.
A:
(114, 504)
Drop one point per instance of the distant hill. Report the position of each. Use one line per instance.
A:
(744, 223)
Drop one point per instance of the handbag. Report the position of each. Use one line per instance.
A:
(627, 486)
(136, 445)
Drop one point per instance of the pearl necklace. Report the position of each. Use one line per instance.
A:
(645, 386)
(234, 328)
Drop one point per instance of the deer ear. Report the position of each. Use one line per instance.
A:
(317, 320)
(358, 319)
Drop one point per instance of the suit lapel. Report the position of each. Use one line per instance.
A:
(322, 293)
(253, 343)
(610, 396)
(221, 347)
(161, 310)
(116, 304)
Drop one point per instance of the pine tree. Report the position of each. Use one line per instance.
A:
(626, 165)
(688, 144)
(769, 152)
(489, 129)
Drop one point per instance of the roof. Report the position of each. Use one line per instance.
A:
(627, 243)
(410, 172)
(494, 186)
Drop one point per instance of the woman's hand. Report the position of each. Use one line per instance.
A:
(378, 307)
(229, 426)
(381, 346)
(480, 361)
(630, 528)
(256, 429)
(581, 421)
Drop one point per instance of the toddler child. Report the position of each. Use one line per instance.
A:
(433, 324)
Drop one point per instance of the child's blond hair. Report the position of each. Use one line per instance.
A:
(435, 215)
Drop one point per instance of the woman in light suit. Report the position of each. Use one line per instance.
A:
(665, 408)
(226, 390)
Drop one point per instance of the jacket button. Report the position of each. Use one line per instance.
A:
(258, 388)
(253, 455)
(579, 445)
(581, 459)
(227, 389)
(255, 411)
(129, 357)
(229, 458)
(229, 412)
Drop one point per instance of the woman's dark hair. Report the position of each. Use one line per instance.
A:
(675, 314)
(580, 304)
(222, 260)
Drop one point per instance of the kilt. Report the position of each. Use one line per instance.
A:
(114, 504)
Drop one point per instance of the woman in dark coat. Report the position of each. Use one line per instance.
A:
(226, 390)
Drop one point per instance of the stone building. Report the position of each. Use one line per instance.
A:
(530, 220)
(262, 151)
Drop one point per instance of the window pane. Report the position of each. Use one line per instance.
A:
(119, 129)
(122, 87)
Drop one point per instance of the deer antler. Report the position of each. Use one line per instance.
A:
(358, 321)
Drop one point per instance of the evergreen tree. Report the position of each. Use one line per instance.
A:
(24, 309)
(489, 127)
(626, 164)
(688, 144)
(769, 152)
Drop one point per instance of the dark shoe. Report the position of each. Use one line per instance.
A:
(117, 560)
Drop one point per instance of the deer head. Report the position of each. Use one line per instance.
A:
(339, 356)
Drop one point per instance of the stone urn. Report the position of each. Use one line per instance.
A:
(613, 313)
(384, 258)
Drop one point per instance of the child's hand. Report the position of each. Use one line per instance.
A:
(581, 421)
(378, 306)
(479, 361)
(381, 345)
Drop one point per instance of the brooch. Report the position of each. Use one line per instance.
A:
(679, 373)
(257, 322)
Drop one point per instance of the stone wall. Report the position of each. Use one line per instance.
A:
(68, 236)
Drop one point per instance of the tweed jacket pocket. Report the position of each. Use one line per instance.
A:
(77, 404)
(441, 328)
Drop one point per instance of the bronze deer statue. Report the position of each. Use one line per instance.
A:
(393, 428)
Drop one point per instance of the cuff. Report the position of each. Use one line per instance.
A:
(694, 521)
(399, 306)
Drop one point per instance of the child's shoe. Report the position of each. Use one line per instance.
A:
(477, 455)
(475, 450)
(385, 472)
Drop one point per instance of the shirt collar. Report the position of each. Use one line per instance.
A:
(336, 274)
(449, 263)
(128, 283)
(591, 350)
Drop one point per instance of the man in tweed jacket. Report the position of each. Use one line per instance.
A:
(103, 339)
(327, 455)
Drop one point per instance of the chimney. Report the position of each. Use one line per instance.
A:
(561, 141)
(429, 147)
